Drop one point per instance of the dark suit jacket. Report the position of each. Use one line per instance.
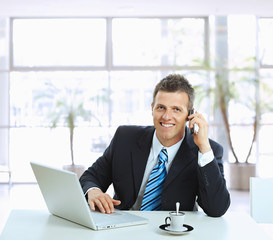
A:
(123, 164)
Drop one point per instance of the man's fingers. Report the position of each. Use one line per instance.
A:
(92, 205)
(102, 206)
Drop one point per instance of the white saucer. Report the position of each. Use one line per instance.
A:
(183, 229)
(186, 229)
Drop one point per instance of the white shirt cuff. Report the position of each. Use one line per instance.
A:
(206, 158)
(91, 189)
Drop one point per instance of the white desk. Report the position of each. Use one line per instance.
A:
(40, 225)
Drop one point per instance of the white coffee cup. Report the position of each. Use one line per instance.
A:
(176, 221)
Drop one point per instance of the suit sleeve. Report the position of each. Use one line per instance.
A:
(213, 196)
(100, 173)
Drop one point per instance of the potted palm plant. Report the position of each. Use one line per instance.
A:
(224, 91)
(240, 170)
(67, 108)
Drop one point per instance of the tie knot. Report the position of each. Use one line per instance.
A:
(163, 156)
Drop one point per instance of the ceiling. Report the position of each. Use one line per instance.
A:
(86, 8)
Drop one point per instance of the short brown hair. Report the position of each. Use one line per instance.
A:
(175, 83)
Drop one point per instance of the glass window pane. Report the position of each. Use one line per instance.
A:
(39, 98)
(4, 44)
(51, 146)
(265, 41)
(185, 42)
(266, 132)
(242, 103)
(242, 41)
(131, 97)
(4, 99)
(265, 150)
(266, 96)
(241, 139)
(4, 119)
(59, 42)
(158, 42)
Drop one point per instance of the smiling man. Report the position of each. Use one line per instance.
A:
(154, 167)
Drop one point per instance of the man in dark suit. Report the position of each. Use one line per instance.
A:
(194, 166)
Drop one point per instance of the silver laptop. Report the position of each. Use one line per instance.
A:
(64, 198)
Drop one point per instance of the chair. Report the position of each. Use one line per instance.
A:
(261, 199)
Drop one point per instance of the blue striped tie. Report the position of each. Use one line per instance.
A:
(152, 195)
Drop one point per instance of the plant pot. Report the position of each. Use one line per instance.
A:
(78, 169)
(240, 174)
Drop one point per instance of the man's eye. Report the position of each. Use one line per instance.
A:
(177, 109)
(160, 107)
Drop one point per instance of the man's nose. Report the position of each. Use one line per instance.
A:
(167, 114)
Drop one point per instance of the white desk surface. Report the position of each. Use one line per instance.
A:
(41, 225)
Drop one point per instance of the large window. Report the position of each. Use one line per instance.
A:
(106, 69)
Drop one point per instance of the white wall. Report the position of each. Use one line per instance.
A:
(19, 8)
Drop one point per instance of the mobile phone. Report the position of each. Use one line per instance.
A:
(192, 130)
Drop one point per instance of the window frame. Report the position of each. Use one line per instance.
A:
(109, 66)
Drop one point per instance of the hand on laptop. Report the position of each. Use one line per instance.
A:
(96, 198)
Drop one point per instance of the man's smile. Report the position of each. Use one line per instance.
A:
(167, 125)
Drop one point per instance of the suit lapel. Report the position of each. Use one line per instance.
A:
(185, 155)
(140, 156)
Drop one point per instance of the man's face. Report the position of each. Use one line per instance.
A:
(170, 114)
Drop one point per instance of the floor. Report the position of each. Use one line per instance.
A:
(28, 196)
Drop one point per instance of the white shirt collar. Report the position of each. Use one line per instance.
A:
(172, 150)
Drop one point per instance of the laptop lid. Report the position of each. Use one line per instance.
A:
(64, 198)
